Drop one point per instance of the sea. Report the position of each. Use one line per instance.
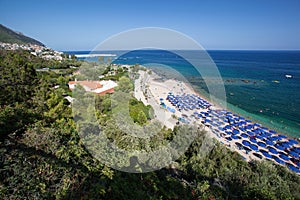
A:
(263, 86)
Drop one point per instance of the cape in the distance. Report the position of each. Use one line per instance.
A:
(9, 36)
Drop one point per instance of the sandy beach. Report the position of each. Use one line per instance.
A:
(152, 90)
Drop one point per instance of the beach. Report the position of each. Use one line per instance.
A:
(249, 139)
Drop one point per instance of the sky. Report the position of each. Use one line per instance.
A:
(232, 24)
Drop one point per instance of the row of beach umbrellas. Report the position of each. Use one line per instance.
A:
(187, 101)
(254, 137)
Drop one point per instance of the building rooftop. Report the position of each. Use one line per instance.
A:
(98, 87)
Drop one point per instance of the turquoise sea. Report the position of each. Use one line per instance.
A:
(255, 81)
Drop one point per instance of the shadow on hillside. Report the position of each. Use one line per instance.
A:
(89, 184)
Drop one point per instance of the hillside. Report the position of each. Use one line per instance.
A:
(9, 36)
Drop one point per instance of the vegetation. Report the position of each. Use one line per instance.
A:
(43, 157)
(139, 112)
(9, 36)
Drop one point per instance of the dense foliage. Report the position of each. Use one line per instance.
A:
(47, 159)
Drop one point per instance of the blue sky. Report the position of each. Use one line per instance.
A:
(81, 25)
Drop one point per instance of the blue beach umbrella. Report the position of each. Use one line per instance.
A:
(228, 132)
(261, 144)
(220, 128)
(284, 157)
(272, 131)
(231, 121)
(266, 154)
(269, 142)
(234, 137)
(296, 149)
(240, 123)
(294, 154)
(229, 116)
(286, 144)
(244, 135)
(263, 150)
(250, 133)
(259, 130)
(228, 138)
(253, 140)
(278, 160)
(281, 136)
(227, 127)
(243, 122)
(278, 146)
(253, 147)
(293, 168)
(272, 150)
(235, 131)
(293, 141)
(263, 135)
(248, 127)
(267, 134)
(274, 138)
(236, 119)
(259, 137)
(245, 142)
(207, 121)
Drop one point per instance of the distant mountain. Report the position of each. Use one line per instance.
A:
(9, 36)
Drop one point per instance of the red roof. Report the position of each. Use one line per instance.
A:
(90, 84)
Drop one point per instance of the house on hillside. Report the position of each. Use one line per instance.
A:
(98, 87)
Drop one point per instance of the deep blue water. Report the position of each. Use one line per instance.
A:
(255, 81)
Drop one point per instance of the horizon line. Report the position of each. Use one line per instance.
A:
(188, 50)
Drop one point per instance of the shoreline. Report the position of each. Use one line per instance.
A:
(281, 125)
(94, 55)
(159, 88)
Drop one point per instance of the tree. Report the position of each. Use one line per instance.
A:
(141, 118)
(14, 119)
(18, 78)
(125, 84)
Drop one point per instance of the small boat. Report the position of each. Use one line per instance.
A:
(288, 76)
